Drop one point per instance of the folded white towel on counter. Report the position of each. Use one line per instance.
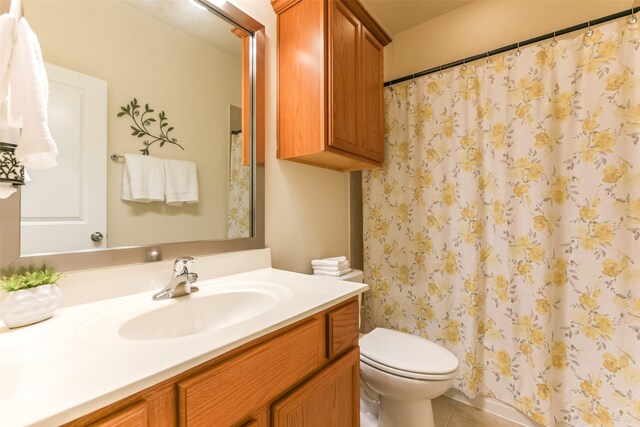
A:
(181, 182)
(331, 273)
(143, 179)
(28, 97)
(329, 262)
(340, 267)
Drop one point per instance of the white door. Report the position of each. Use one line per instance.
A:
(63, 206)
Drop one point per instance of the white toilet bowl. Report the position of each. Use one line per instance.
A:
(400, 375)
(406, 372)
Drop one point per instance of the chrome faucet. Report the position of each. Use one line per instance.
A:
(181, 280)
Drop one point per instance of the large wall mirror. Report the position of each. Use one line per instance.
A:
(157, 110)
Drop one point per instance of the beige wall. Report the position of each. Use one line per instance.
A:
(483, 26)
(307, 210)
(194, 83)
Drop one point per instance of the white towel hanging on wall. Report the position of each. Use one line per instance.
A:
(24, 91)
(181, 182)
(7, 134)
(143, 179)
(28, 97)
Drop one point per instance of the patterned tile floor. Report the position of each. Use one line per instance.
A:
(450, 413)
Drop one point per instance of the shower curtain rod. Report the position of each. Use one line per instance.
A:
(514, 46)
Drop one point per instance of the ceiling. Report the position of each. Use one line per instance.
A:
(398, 15)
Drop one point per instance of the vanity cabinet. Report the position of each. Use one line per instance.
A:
(330, 84)
(329, 399)
(304, 374)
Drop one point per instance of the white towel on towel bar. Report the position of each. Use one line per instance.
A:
(181, 182)
(143, 179)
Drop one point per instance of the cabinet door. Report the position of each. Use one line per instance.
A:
(230, 392)
(372, 98)
(343, 81)
(330, 399)
(133, 416)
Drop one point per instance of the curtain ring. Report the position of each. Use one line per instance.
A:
(489, 60)
(464, 65)
(440, 73)
(413, 80)
(633, 18)
(589, 32)
(518, 51)
(554, 42)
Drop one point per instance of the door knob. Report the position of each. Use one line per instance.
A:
(97, 236)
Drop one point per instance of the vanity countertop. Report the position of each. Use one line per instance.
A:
(60, 369)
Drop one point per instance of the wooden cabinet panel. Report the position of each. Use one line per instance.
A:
(329, 399)
(229, 392)
(342, 329)
(329, 56)
(259, 420)
(345, 68)
(239, 387)
(372, 96)
(133, 416)
(155, 407)
(301, 79)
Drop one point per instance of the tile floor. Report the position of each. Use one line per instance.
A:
(450, 413)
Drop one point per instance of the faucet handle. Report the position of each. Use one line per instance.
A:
(182, 265)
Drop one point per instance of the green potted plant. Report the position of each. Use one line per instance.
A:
(28, 297)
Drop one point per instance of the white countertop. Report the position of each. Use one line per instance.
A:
(60, 369)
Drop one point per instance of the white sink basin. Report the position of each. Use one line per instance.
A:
(214, 307)
(195, 315)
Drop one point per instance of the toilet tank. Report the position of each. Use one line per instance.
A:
(353, 276)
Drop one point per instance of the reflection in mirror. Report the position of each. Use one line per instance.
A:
(127, 78)
(239, 181)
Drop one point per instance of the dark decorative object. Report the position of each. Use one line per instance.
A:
(11, 170)
(141, 123)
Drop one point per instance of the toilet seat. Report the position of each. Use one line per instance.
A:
(406, 355)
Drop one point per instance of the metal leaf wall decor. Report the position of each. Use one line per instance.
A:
(142, 121)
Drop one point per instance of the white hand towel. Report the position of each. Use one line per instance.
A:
(8, 22)
(340, 267)
(329, 262)
(7, 39)
(143, 178)
(181, 184)
(331, 273)
(28, 96)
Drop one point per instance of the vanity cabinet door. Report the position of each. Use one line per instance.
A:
(229, 392)
(342, 329)
(329, 399)
(133, 416)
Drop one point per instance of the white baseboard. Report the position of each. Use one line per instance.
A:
(493, 406)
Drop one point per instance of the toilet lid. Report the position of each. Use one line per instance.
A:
(406, 353)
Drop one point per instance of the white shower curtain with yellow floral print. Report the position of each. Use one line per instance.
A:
(239, 208)
(505, 225)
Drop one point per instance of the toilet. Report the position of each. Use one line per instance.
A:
(399, 376)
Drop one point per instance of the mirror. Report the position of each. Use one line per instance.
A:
(173, 86)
